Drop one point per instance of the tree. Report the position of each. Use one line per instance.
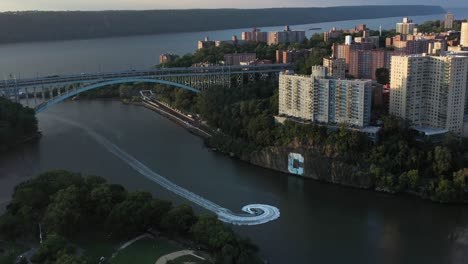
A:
(184, 99)
(442, 161)
(211, 232)
(16, 123)
(445, 192)
(382, 75)
(413, 178)
(50, 249)
(131, 216)
(179, 220)
(70, 259)
(459, 182)
(65, 211)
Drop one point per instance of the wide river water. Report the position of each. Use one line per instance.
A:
(319, 223)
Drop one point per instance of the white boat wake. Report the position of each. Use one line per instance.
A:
(254, 214)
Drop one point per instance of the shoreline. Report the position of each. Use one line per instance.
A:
(230, 155)
(29, 139)
(185, 121)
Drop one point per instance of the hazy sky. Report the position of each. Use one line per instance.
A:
(13, 5)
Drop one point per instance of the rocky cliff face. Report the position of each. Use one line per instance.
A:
(310, 163)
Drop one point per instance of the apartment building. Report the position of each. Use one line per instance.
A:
(449, 18)
(406, 28)
(291, 56)
(256, 35)
(318, 98)
(239, 58)
(286, 36)
(464, 35)
(429, 91)
(336, 68)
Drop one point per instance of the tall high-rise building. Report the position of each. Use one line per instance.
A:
(449, 18)
(336, 68)
(429, 91)
(464, 34)
(255, 35)
(406, 28)
(318, 98)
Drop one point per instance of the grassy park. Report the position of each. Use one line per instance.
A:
(145, 251)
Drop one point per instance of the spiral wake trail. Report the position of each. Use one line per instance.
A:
(253, 214)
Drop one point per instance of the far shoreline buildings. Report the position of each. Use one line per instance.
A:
(257, 36)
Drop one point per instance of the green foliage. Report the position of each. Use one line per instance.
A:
(70, 259)
(304, 65)
(51, 248)
(445, 192)
(66, 204)
(437, 26)
(64, 213)
(212, 233)
(16, 123)
(382, 75)
(179, 220)
(442, 161)
(132, 215)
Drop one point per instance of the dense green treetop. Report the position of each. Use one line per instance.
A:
(67, 206)
(16, 123)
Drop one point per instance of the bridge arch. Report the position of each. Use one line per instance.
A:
(70, 94)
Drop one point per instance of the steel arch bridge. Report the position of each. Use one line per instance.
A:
(43, 92)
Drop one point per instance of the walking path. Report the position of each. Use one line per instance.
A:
(164, 259)
(134, 240)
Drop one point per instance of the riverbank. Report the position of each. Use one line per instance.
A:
(194, 126)
(245, 129)
(29, 139)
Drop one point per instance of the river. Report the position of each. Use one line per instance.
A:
(319, 223)
(141, 52)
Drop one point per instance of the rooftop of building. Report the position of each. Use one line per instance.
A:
(371, 129)
(430, 131)
(291, 73)
(422, 55)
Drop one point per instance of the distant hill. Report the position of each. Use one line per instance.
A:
(46, 26)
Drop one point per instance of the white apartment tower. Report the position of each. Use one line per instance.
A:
(318, 98)
(429, 91)
(464, 34)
